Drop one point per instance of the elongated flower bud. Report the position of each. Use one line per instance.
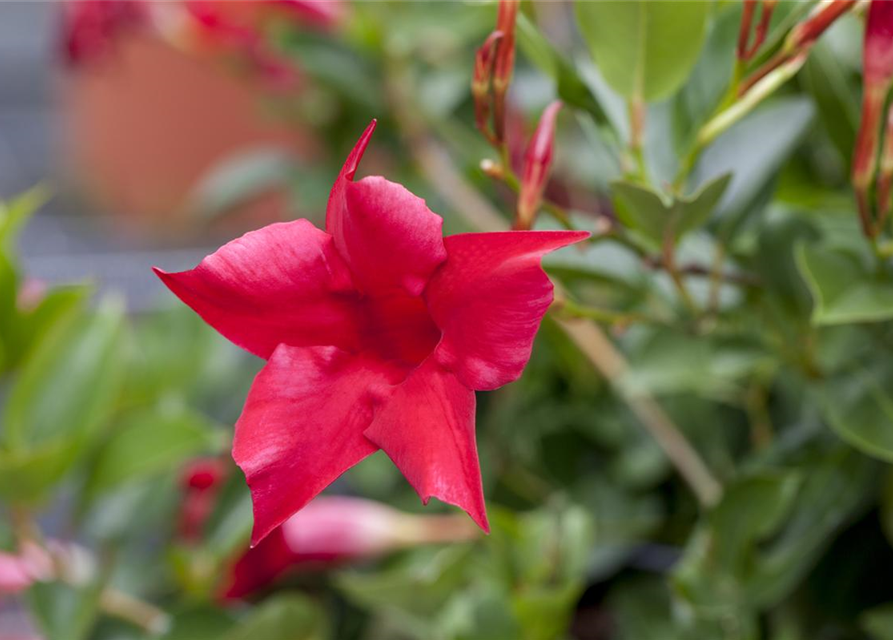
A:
(481, 80)
(537, 164)
(877, 77)
(504, 63)
(333, 530)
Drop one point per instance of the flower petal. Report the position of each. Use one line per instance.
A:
(489, 298)
(282, 284)
(302, 427)
(389, 237)
(427, 428)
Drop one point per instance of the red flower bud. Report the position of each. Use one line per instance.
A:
(334, 530)
(537, 163)
(504, 63)
(480, 82)
(877, 77)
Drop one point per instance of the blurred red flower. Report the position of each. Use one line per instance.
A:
(377, 331)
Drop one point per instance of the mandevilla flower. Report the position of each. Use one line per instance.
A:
(537, 164)
(377, 331)
(333, 530)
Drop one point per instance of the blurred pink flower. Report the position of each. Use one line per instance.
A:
(377, 332)
(18, 571)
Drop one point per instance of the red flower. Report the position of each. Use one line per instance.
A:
(333, 530)
(377, 332)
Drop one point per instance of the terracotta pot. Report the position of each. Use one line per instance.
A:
(146, 123)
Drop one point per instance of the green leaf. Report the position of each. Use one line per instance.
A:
(644, 48)
(878, 622)
(27, 475)
(15, 213)
(843, 288)
(753, 150)
(836, 96)
(67, 386)
(199, 623)
(30, 326)
(859, 408)
(149, 443)
(283, 617)
(654, 216)
(570, 87)
(64, 611)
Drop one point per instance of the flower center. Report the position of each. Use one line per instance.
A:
(399, 328)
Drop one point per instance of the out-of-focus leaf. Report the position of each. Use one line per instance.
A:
(858, 406)
(69, 383)
(765, 535)
(32, 325)
(710, 78)
(63, 611)
(569, 86)
(644, 210)
(836, 97)
(878, 622)
(887, 506)
(644, 48)
(752, 151)
(283, 617)
(719, 558)
(200, 623)
(149, 443)
(16, 212)
(844, 290)
(670, 361)
(238, 179)
(26, 475)
(413, 589)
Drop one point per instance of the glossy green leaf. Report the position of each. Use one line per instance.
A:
(68, 385)
(149, 443)
(644, 48)
(657, 217)
(844, 289)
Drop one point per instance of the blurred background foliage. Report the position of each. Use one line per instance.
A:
(776, 370)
